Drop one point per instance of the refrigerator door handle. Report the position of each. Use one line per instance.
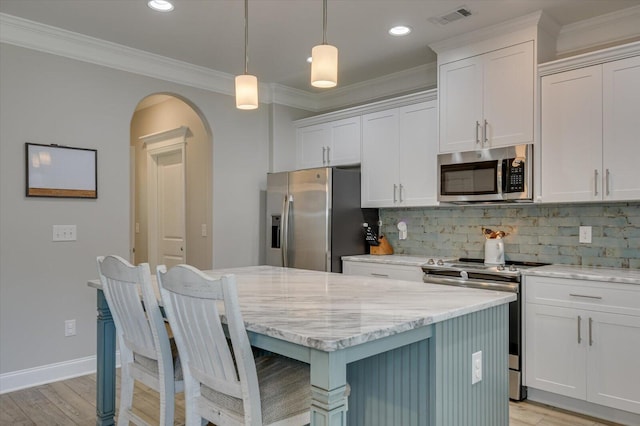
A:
(284, 231)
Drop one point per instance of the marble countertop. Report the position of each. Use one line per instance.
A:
(394, 259)
(612, 275)
(329, 311)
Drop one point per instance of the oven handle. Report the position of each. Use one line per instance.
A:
(485, 285)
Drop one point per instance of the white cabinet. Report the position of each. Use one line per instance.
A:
(399, 156)
(621, 144)
(582, 340)
(333, 143)
(487, 100)
(382, 270)
(589, 133)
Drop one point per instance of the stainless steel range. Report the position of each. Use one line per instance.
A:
(474, 273)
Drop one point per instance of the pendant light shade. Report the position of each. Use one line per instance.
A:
(324, 66)
(246, 84)
(246, 91)
(324, 59)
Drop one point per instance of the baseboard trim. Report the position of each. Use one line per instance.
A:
(21, 379)
(583, 407)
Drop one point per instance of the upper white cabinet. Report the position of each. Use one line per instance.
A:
(334, 143)
(399, 156)
(487, 100)
(589, 137)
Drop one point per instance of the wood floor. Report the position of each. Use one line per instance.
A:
(72, 402)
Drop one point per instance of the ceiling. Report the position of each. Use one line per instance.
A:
(210, 33)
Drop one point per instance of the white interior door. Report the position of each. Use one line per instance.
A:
(170, 209)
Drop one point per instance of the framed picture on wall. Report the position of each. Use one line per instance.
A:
(61, 171)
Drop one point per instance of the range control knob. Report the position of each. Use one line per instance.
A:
(440, 262)
(430, 262)
(513, 268)
(500, 268)
(464, 275)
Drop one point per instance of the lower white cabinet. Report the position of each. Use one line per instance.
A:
(583, 340)
(382, 270)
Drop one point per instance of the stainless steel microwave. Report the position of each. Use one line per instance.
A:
(493, 174)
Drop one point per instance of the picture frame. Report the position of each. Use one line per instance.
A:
(60, 171)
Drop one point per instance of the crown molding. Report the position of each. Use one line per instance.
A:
(592, 58)
(410, 80)
(44, 38)
(179, 133)
(413, 98)
(487, 33)
(48, 39)
(295, 98)
(600, 30)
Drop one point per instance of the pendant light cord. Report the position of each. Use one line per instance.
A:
(324, 22)
(246, 35)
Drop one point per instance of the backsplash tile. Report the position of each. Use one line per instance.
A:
(537, 233)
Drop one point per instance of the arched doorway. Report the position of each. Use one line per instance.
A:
(171, 181)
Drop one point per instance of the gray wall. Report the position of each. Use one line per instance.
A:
(538, 233)
(51, 99)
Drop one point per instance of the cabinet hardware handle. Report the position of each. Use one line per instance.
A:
(400, 192)
(607, 182)
(477, 128)
(590, 331)
(324, 151)
(484, 132)
(328, 155)
(585, 296)
(579, 332)
(595, 180)
(579, 338)
(380, 275)
(395, 189)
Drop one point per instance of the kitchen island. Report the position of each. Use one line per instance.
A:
(404, 348)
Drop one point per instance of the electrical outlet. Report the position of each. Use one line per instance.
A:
(476, 367)
(203, 230)
(70, 328)
(585, 234)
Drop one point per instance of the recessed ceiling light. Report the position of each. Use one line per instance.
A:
(160, 5)
(400, 30)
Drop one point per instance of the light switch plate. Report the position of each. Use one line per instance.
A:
(64, 233)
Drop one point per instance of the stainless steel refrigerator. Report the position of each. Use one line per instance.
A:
(314, 218)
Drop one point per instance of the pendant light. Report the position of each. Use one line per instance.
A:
(246, 84)
(324, 62)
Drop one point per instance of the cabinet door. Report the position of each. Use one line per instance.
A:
(572, 135)
(311, 145)
(345, 142)
(460, 105)
(555, 350)
(613, 374)
(380, 159)
(621, 146)
(418, 154)
(508, 96)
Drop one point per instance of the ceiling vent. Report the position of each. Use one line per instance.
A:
(455, 15)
